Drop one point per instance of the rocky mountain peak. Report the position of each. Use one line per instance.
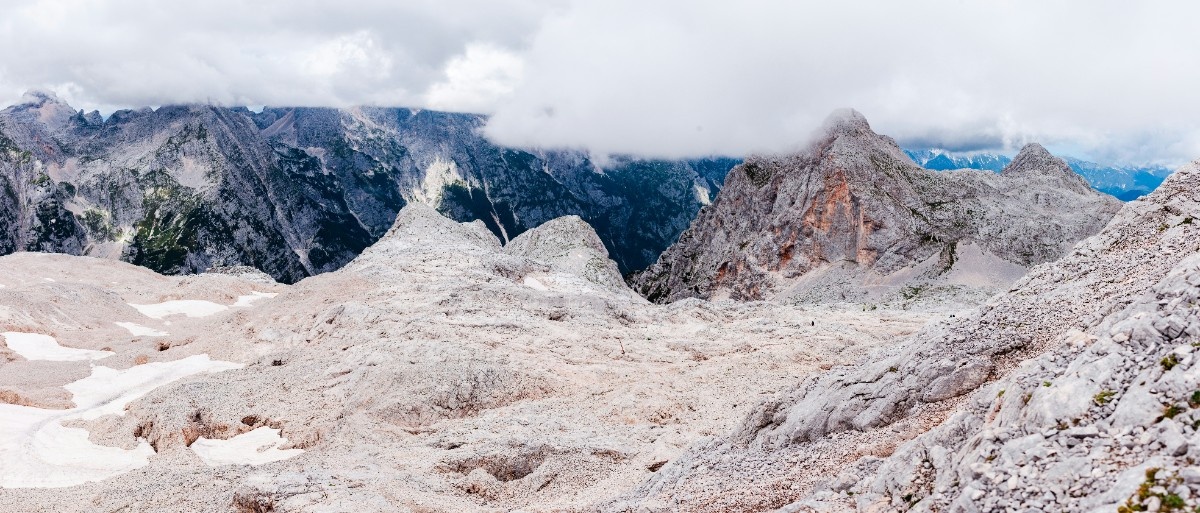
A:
(853, 209)
(1035, 157)
(418, 222)
(569, 245)
(566, 233)
(38, 97)
(845, 121)
(44, 108)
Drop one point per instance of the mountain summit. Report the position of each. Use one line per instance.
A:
(1035, 158)
(1125, 182)
(851, 217)
(845, 122)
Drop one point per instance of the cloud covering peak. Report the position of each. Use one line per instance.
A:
(1109, 80)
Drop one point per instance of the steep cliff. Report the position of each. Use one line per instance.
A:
(301, 191)
(851, 217)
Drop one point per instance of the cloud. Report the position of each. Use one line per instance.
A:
(477, 81)
(1113, 79)
(1109, 80)
(110, 54)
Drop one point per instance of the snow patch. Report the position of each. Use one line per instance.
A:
(37, 451)
(253, 448)
(33, 346)
(188, 307)
(253, 296)
(138, 330)
(534, 283)
(108, 390)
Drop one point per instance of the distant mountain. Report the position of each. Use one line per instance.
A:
(851, 218)
(301, 191)
(1126, 183)
(939, 160)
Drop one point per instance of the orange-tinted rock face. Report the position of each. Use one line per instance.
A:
(722, 272)
(853, 200)
(836, 223)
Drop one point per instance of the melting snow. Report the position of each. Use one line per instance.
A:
(32, 346)
(188, 307)
(253, 448)
(138, 330)
(534, 283)
(252, 297)
(37, 451)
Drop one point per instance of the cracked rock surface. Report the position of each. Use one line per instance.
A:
(853, 219)
(1064, 393)
(437, 372)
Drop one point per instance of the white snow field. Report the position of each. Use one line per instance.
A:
(253, 296)
(252, 448)
(189, 307)
(138, 330)
(33, 346)
(37, 451)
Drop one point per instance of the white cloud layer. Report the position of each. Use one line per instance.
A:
(1110, 80)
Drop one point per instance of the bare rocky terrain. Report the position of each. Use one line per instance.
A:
(439, 371)
(851, 218)
(442, 370)
(1076, 390)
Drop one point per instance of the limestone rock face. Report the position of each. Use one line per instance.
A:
(1056, 395)
(570, 246)
(296, 192)
(852, 211)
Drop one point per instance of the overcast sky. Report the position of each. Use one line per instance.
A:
(1116, 81)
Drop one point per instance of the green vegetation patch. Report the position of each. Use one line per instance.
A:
(99, 224)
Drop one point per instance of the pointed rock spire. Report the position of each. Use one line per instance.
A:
(845, 121)
(1035, 158)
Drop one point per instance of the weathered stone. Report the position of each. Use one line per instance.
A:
(960, 381)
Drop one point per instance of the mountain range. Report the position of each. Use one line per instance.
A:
(464, 359)
(443, 371)
(301, 191)
(1126, 183)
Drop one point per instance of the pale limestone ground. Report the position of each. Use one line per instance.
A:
(423, 377)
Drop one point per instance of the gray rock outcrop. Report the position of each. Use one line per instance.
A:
(570, 246)
(1061, 394)
(852, 212)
